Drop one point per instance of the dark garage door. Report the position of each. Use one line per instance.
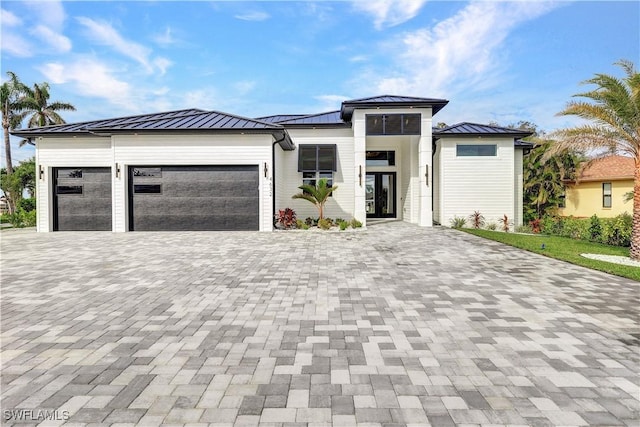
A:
(82, 199)
(191, 198)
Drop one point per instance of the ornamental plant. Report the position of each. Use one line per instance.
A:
(316, 194)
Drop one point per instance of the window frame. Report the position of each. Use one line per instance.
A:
(607, 196)
(317, 147)
(390, 158)
(478, 154)
(382, 129)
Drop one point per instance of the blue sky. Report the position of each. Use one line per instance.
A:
(494, 60)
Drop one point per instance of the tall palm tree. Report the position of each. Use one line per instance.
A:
(11, 95)
(39, 110)
(613, 116)
(316, 194)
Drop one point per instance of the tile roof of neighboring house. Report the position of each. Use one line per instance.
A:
(475, 129)
(610, 168)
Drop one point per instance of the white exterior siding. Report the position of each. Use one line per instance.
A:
(65, 152)
(518, 218)
(484, 184)
(437, 200)
(341, 204)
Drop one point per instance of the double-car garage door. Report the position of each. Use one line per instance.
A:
(160, 198)
(193, 198)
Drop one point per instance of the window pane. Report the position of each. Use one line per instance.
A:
(393, 124)
(307, 158)
(69, 173)
(147, 172)
(464, 150)
(147, 188)
(327, 158)
(411, 124)
(606, 194)
(381, 158)
(374, 125)
(69, 189)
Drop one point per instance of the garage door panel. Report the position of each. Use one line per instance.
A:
(194, 198)
(82, 198)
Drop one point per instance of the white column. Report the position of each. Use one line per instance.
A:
(425, 171)
(359, 165)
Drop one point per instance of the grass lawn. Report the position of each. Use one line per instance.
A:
(564, 249)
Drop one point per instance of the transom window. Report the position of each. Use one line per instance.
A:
(393, 124)
(381, 158)
(606, 194)
(476, 150)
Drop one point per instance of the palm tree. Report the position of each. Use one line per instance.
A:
(41, 112)
(316, 194)
(613, 117)
(11, 95)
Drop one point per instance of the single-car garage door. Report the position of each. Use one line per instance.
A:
(191, 198)
(82, 199)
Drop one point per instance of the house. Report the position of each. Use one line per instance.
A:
(207, 170)
(600, 188)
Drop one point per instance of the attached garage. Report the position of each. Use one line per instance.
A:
(194, 198)
(82, 199)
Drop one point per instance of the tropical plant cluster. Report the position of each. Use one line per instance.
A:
(614, 231)
(477, 221)
(286, 219)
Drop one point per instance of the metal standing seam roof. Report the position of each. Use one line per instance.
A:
(436, 104)
(277, 118)
(192, 119)
(476, 129)
(331, 118)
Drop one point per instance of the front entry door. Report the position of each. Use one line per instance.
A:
(381, 194)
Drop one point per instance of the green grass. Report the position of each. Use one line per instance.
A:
(564, 249)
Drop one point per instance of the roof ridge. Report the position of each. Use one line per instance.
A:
(197, 112)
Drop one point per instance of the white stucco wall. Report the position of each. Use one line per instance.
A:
(484, 184)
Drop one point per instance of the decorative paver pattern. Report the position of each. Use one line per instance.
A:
(395, 325)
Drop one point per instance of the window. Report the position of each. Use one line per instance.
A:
(562, 202)
(317, 158)
(312, 178)
(381, 158)
(147, 188)
(147, 172)
(69, 173)
(69, 189)
(473, 150)
(393, 124)
(606, 194)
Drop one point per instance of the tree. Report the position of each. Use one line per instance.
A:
(15, 184)
(37, 107)
(612, 112)
(316, 194)
(11, 95)
(543, 177)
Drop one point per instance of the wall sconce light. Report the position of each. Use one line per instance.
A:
(266, 170)
(41, 172)
(117, 170)
(426, 174)
(360, 175)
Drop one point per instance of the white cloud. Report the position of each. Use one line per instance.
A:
(459, 53)
(48, 13)
(166, 38)
(8, 19)
(16, 45)
(389, 13)
(244, 87)
(90, 77)
(255, 15)
(55, 40)
(329, 102)
(105, 34)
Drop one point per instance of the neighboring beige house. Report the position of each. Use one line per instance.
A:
(601, 188)
(208, 170)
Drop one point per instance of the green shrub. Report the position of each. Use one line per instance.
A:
(525, 228)
(311, 221)
(595, 229)
(458, 222)
(27, 205)
(617, 231)
(355, 223)
(343, 225)
(21, 218)
(492, 226)
(325, 223)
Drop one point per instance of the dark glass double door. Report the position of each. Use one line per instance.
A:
(380, 196)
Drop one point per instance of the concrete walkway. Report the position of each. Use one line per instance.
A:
(395, 325)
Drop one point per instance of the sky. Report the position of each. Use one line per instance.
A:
(495, 61)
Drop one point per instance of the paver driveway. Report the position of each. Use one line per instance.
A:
(396, 325)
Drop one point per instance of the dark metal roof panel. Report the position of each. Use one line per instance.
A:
(436, 104)
(280, 117)
(393, 99)
(329, 118)
(467, 128)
